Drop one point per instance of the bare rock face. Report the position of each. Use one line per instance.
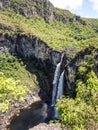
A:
(25, 47)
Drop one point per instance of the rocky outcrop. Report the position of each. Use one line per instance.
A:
(16, 108)
(30, 8)
(25, 47)
(41, 8)
(44, 126)
(33, 51)
(71, 68)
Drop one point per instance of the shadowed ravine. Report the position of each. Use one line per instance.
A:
(40, 112)
(27, 118)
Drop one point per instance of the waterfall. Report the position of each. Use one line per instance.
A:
(55, 82)
(60, 86)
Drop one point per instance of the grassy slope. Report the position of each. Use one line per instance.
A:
(56, 34)
(13, 67)
(65, 13)
(92, 22)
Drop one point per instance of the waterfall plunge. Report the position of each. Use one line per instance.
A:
(57, 83)
(60, 86)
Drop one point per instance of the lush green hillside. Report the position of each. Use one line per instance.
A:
(13, 67)
(93, 23)
(81, 113)
(61, 30)
(15, 80)
(56, 34)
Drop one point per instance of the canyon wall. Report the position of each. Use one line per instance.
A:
(31, 48)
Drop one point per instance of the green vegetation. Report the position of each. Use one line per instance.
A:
(14, 67)
(10, 90)
(56, 34)
(81, 113)
(15, 80)
(77, 114)
(65, 13)
(92, 23)
(15, 4)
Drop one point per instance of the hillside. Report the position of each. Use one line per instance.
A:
(60, 29)
(47, 55)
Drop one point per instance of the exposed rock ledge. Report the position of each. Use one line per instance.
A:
(15, 109)
(26, 46)
(44, 126)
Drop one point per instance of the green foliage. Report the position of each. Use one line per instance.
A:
(82, 70)
(81, 113)
(88, 91)
(56, 34)
(76, 115)
(11, 66)
(92, 22)
(10, 90)
(13, 80)
(64, 13)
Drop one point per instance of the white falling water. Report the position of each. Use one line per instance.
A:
(55, 82)
(60, 86)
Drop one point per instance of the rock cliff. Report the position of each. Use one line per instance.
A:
(34, 51)
(26, 46)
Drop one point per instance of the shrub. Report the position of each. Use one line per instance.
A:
(82, 112)
(10, 90)
(76, 114)
(13, 67)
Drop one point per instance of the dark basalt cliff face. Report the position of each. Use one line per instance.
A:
(88, 55)
(33, 49)
(26, 46)
(42, 8)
